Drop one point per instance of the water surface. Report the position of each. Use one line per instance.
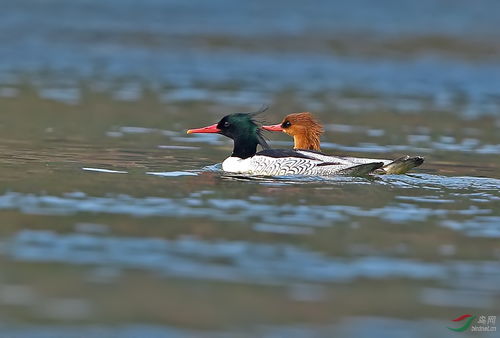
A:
(116, 223)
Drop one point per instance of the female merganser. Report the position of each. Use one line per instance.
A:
(246, 134)
(306, 130)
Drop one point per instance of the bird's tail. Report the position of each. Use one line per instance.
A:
(401, 165)
(362, 169)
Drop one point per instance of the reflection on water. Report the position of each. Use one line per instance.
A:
(115, 223)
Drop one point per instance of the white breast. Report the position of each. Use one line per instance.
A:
(236, 165)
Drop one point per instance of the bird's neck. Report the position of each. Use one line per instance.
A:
(245, 147)
(305, 141)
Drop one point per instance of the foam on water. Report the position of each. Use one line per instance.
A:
(102, 170)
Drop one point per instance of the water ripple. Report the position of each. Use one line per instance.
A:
(444, 205)
(237, 261)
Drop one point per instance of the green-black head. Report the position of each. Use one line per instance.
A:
(242, 129)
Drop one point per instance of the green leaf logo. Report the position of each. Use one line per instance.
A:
(469, 320)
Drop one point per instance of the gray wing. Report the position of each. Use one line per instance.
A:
(269, 166)
(361, 160)
(398, 166)
(347, 160)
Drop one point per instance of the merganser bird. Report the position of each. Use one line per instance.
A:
(246, 135)
(306, 131)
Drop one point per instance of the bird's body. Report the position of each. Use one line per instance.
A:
(275, 162)
(306, 132)
(280, 163)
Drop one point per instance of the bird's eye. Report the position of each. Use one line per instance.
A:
(286, 124)
(226, 124)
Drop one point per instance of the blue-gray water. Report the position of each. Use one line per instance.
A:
(115, 223)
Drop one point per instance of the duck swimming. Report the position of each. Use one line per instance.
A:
(246, 135)
(306, 132)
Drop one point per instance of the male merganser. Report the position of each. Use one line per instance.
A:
(246, 134)
(306, 131)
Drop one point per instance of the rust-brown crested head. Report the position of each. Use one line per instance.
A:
(305, 129)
